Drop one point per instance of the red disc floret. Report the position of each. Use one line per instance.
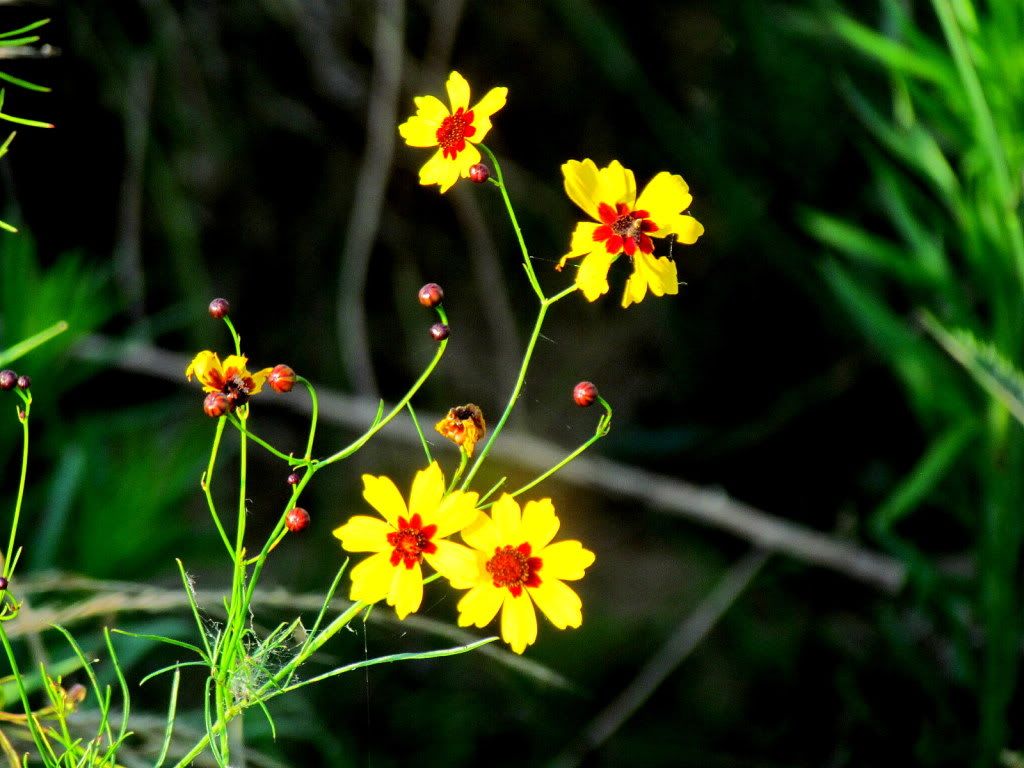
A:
(411, 541)
(514, 568)
(453, 132)
(623, 230)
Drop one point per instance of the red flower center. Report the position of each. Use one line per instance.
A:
(411, 541)
(514, 568)
(453, 132)
(624, 230)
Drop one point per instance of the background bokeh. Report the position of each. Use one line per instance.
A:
(248, 150)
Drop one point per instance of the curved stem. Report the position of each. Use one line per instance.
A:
(499, 180)
(520, 380)
(292, 461)
(315, 408)
(23, 418)
(208, 479)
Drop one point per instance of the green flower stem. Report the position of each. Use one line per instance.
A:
(19, 499)
(348, 450)
(208, 479)
(463, 459)
(499, 180)
(234, 335)
(315, 407)
(42, 745)
(545, 304)
(603, 427)
(292, 461)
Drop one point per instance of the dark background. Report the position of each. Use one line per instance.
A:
(214, 149)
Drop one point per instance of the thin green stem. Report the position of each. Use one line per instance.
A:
(315, 408)
(520, 380)
(463, 460)
(419, 431)
(234, 335)
(45, 750)
(23, 418)
(499, 181)
(207, 480)
(292, 461)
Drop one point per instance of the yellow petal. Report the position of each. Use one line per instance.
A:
(482, 534)
(518, 622)
(364, 534)
(382, 494)
(592, 276)
(616, 184)
(259, 379)
(456, 512)
(558, 602)
(507, 520)
(419, 132)
(564, 560)
(466, 159)
(406, 592)
(687, 229)
(480, 605)
(202, 363)
(582, 242)
(539, 523)
(371, 579)
(458, 91)
(581, 185)
(664, 198)
(457, 563)
(427, 490)
(441, 170)
(483, 109)
(648, 272)
(237, 362)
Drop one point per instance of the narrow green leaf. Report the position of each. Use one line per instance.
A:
(176, 667)
(172, 709)
(864, 247)
(24, 83)
(892, 54)
(23, 30)
(168, 640)
(11, 354)
(270, 720)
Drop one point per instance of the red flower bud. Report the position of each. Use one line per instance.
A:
(584, 394)
(431, 295)
(439, 331)
(8, 379)
(297, 519)
(3, 583)
(216, 405)
(479, 173)
(219, 308)
(281, 378)
(24, 382)
(293, 478)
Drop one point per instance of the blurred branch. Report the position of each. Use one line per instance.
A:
(711, 507)
(679, 646)
(371, 184)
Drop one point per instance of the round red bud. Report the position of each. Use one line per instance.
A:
(24, 382)
(297, 519)
(3, 583)
(8, 380)
(479, 173)
(281, 378)
(584, 394)
(219, 309)
(293, 478)
(216, 405)
(431, 295)
(439, 331)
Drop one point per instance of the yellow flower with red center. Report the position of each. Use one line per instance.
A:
(626, 224)
(230, 378)
(519, 567)
(453, 132)
(407, 536)
(464, 425)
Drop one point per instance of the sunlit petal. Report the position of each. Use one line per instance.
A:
(565, 560)
(559, 603)
(364, 534)
(518, 622)
(406, 591)
(382, 494)
(539, 523)
(456, 563)
(480, 605)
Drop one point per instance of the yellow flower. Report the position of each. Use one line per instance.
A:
(627, 224)
(518, 566)
(407, 536)
(464, 425)
(434, 125)
(230, 378)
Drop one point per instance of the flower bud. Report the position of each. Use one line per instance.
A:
(464, 425)
(219, 309)
(281, 378)
(8, 379)
(479, 173)
(75, 695)
(431, 295)
(297, 519)
(24, 382)
(216, 404)
(293, 478)
(584, 394)
(3, 583)
(439, 331)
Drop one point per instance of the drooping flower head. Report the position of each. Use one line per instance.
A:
(407, 536)
(231, 378)
(453, 132)
(519, 567)
(626, 224)
(464, 425)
